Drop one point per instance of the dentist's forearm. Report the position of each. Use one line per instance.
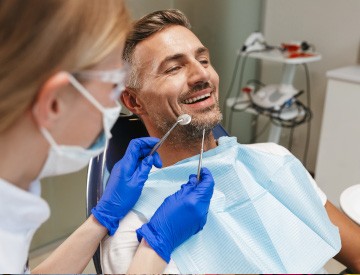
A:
(146, 260)
(73, 255)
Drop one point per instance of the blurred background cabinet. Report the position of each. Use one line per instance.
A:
(338, 162)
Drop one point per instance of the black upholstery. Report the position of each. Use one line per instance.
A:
(125, 129)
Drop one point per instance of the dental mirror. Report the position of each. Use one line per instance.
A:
(183, 119)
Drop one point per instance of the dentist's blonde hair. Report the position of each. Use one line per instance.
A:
(40, 38)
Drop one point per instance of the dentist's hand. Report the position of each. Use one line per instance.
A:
(126, 181)
(180, 216)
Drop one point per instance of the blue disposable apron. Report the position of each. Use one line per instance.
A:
(265, 215)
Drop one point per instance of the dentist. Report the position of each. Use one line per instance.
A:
(61, 74)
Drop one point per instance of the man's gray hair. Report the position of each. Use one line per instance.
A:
(144, 28)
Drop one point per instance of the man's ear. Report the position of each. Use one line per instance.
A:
(131, 101)
(47, 107)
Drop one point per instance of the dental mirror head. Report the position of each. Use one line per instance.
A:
(184, 119)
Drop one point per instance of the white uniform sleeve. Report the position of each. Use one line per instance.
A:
(273, 148)
(118, 250)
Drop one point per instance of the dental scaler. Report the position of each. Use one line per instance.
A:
(183, 119)
(201, 156)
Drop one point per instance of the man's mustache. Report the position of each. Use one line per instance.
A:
(200, 86)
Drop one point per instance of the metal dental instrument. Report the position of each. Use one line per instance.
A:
(183, 119)
(201, 155)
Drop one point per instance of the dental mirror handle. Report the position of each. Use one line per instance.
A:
(161, 141)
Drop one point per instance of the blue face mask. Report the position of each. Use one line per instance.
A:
(265, 215)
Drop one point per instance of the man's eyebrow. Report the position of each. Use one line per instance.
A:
(202, 50)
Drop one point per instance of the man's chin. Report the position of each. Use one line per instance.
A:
(198, 123)
(207, 118)
(192, 132)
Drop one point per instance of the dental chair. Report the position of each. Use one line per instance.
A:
(125, 129)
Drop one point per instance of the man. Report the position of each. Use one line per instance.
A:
(266, 216)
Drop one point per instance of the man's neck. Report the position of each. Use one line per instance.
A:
(171, 154)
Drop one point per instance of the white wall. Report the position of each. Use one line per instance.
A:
(139, 8)
(66, 196)
(333, 27)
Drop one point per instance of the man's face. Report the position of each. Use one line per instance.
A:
(177, 78)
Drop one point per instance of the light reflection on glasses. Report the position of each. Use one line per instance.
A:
(117, 77)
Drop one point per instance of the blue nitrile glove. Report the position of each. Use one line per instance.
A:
(180, 216)
(126, 181)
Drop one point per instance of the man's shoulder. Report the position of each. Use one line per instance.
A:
(270, 148)
(267, 147)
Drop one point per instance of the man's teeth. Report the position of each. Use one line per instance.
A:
(191, 100)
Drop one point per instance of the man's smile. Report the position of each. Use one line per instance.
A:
(200, 99)
(197, 98)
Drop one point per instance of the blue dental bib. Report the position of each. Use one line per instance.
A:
(265, 215)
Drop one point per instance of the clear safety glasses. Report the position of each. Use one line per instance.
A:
(117, 77)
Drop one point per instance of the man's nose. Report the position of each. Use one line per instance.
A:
(198, 73)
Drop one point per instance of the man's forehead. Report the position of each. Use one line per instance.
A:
(167, 42)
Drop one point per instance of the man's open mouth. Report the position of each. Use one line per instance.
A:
(197, 99)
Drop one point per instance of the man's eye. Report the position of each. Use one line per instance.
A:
(173, 69)
(204, 61)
